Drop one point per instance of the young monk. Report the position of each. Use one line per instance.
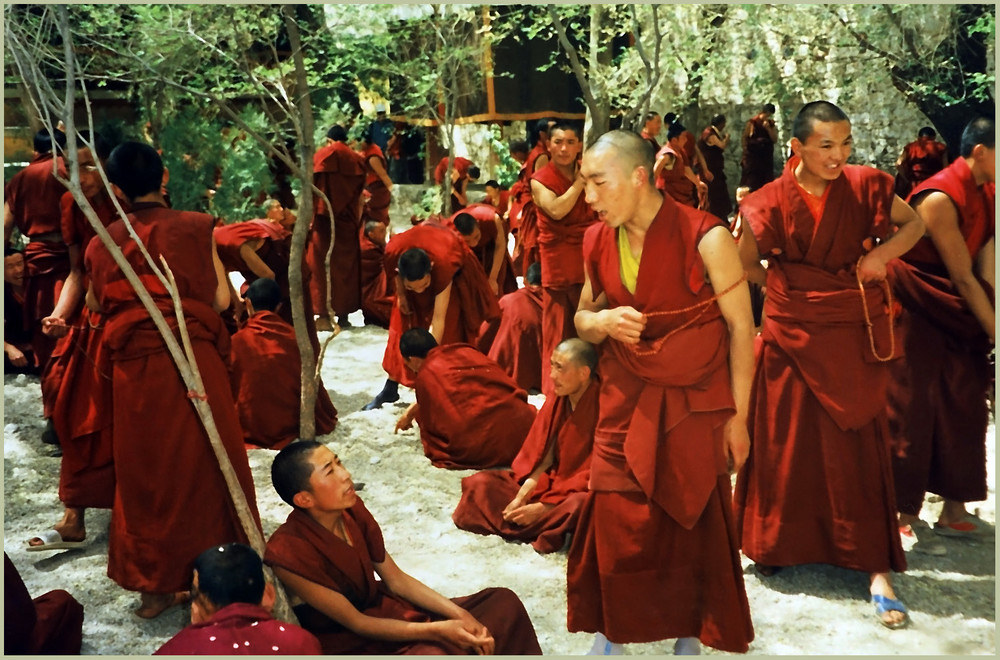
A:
(231, 610)
(327, 554)
(483, 231)
(471, 414)
(817, 487)
(266, 372)
(539, 500)
(163, 516)
(377, 290)
(655, 555)
(516, 343)
(674, 175)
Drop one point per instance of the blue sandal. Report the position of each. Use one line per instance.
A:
(885, 604)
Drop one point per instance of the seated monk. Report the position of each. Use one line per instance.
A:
(377, 290)
(539, 500)
(51, 624)
(231, 610)
(480, 226)
(516, 344)
(497, 197)
(266, 374)
(18, 355)
(327, 554)
(471, 414)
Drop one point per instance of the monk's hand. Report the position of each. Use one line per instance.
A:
(527, 514)
(708, 175)
(514, 504)
(464, 634)
(494, 287)
(624, 324)
(871, 268)
(15, 355)
(54, 326)
(405, 422)
(736, 443)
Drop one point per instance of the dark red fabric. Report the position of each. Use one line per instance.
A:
(818, 485)
(461, 166)
(230, 238)
(14, 331)
(658, 526)
(673, 181)
(471, 302)
(517, 345)
(304, 547)
(503, 205)
(757, 165)
(720, 204)
(922, 159)
(560, 242)
(377, 290)
(171, 501)
(242, 629)
(558, 309)
(377, 207)
(51, 624)
(563, 485)
(472, 415)
(266, 378)
(33, 196)
(486, 216)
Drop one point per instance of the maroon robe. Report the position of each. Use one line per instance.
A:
(304, 547)
(51, 624)
(485, 216)
(242, 629)
(461, 166)
(377, 207)
(560, 250)
(563, 485)
(14, 332)
(517, 342)
(340, 173)
(719, 202)
(922, 159)
(524, 214)
(655, 556)
(937, 397)
(171, 501)
(758, 157)
(471, 414)
(265, 377)
(818, 486)
(503, 205)
(378, 292)
(673, 181)
(452, 262)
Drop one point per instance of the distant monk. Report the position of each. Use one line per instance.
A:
(470, 413)
(713, 143)
(497, 197)
(483, 231)
(328, 552)
(539, 500)
(919, 161)
(758, 140)
(51, 624)
(18, 354)
(171, 500)
(231, 610)
(652, 124)
(378, 184)
(377, 291)
(340, 173)
(266, 374)
(523, 214)
(673, 172)
(517, 343)
(463, 171)
(441, 287)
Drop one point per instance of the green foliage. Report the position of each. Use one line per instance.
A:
(508, 166)
(430, 203)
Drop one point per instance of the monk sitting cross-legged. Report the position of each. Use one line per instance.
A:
(471, 414)
(328, 552)
(266, 374)
(539, 500)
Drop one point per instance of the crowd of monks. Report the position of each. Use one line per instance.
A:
(635, 321)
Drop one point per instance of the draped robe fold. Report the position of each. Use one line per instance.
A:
(377, 290)
(51, 624)
(516, 344)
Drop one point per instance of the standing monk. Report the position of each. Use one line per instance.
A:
(758, 140)
(713, 143)
(673, 172)
(171, 500)
(655, 555)
(919, 161)
(651, 126)
(817, 487)
(563, 217)
(938, 396)
(483, 231)
(378, 184)
(523, 214)
(377, 290)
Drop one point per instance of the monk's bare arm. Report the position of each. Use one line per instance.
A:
(441, 301)
(941, 218)
(54, 325)
(986, 262)
(221, 281)
(8, 223)
(911, 229)
(724, 268)
(498, 250)
(595, 321)
(556, 207)
(750, 256)
(376, 165)
(540, 162)
(698, 156)
(402, 297)
(91, 300)
(667, 160)
(248, 252)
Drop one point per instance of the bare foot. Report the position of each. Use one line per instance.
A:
(881, 585)
(153, 605)
(71, 528)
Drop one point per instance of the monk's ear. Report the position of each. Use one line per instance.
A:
(303, 499)
(267, 600)
(796, 146)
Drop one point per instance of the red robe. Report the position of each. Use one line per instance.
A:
(673, 181)
(523, 214)
(757, 164)
(560, 250)
(517, 343)
(340, 173)
(171, 501)
(818, 486)
(242, 629)
(720, 204)
(51, 624)
(461, 166)
(14, 332)
(922, 159)
(306, 548)
(937, 398)
(485, 215)
(471, 414)
(658, 527)
(265, 377)
(503, 205)
(563, 485)
(377, 207)
(33, 196)
(378, 292)
(452, 262)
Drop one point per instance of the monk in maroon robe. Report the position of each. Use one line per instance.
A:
(539, 499)
(483, 231)
(328, 553)
(818, 486)
(655, 556)
(523, 214)
(340, 173)
(938, 396)
(231, 610)
(563, 217)
(712, 145)
(919, 161)
(377, 183)
(497, 197)
(674, 175)
(51, 624)
(171, 500)
(652, 124)
(18, 354)
(471, 414)
(758, 140)
(266, 374)
(514, 341)
(377, 291)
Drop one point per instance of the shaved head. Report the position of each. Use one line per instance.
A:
(630, 151)
(579, 352)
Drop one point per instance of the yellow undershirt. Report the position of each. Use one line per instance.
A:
(629, 263)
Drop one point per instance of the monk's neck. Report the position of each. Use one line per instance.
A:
(978, 175)
(332, 521)
(152, 198)
(646, 211)
(811, 183)
(574, 397)
(568, 171)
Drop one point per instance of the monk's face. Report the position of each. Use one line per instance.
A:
(564, 147)
(567, 377)
(611, 192)
(13, 269)
(417, 286)
(493, 193)
(825, 152)
(472, 240)
(653, 126)
(330, 485)
(377, 234)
